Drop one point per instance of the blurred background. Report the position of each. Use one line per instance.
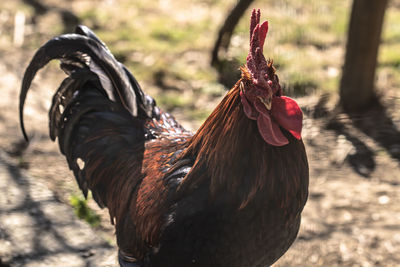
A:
(350, 101)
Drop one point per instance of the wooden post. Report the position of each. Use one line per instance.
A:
(358, 78)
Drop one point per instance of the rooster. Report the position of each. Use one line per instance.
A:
(229, 195)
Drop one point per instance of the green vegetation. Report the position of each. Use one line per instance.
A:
(306, 40)
(83, 211)
(171, 100)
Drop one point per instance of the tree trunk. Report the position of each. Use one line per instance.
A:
(357, 84)
(226, 31)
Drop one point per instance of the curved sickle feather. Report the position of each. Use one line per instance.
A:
(69, 45)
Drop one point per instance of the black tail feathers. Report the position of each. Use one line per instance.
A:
(85, 58)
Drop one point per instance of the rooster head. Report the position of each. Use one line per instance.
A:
(261, 94)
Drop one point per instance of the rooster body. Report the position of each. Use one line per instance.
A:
(229, 195)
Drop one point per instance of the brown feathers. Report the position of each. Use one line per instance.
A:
(231, 153)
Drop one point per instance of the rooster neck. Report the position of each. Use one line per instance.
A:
(229, 151)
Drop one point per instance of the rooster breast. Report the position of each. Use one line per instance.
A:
(200, 233)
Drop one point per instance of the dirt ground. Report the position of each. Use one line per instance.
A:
(352, 217)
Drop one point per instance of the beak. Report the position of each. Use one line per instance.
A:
(266, 101)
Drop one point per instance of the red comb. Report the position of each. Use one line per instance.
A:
(256, 62)
(254, 21)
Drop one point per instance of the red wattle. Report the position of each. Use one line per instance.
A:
(247, 108)
(270, 131)
(287, 113)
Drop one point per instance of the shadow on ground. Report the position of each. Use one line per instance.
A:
(37, 230)
(374, 123)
